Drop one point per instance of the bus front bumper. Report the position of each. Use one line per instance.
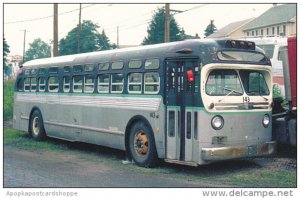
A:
(231, 152)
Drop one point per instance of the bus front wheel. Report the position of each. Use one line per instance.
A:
(142, 146)
(37, 130)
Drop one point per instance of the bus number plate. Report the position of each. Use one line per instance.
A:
(246, 99)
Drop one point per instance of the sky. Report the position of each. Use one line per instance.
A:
(132, 19)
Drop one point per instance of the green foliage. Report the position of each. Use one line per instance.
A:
(156, 29)
(277, 91)
(5, 53)
(90, 40)
(8, 93)
(38, 49)
(210, 29)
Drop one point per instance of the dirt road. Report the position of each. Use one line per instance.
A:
(57, 163)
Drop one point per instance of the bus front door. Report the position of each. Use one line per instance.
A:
(179, 99)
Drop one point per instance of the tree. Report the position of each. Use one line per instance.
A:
(90, 40)
(6, 51)
(156, 29)
(38, 49)
(211, 28)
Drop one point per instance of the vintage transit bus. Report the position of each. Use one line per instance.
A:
(190, 102)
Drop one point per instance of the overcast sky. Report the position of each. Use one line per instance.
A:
(132, 19)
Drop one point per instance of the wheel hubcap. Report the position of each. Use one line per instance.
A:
(35, 126)
(140, 143)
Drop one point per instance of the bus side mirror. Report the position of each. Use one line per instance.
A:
(190, 76)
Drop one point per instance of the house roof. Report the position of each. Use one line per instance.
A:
(231, 27)
(275, 15)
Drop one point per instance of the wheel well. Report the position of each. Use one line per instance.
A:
(132, 121)
(31, 112)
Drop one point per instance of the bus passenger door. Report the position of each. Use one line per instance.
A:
(179, 99)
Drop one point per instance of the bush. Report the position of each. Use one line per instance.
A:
(8, 95)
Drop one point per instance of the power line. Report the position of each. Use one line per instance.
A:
(45, 17)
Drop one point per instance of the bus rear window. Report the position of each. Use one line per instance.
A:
(241, 56)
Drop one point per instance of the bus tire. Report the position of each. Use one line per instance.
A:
(37, 130)
(142, 145)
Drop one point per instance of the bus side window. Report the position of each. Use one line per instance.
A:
(103, 83)
(88, 84)
(20, 85)
(67, 83)
(135, 83)
(27, 84)
(33, 85)
(42, 84)
(117, 83)
(151, 83)
(77, 84)
(152, 63)
(53, 84)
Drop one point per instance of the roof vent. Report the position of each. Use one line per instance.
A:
(185, 51)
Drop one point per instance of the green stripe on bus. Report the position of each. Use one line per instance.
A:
(92, 94)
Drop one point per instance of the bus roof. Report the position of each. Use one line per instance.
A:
(155, 50)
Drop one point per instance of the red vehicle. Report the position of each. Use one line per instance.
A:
(285, 123)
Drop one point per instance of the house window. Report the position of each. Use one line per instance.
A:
(267, 31)
(262, 32)
(278, 33)
(283, 30)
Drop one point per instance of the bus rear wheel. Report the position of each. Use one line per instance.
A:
(142, 146)
(37, 130)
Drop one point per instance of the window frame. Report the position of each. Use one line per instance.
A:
(28, 85)
(42, 84)
(64, 84)
(151, 83)
(135, 83)
(120, 61)
(114, 84)
(31, 85)
(135, 60)
(52, 84)
(154, 58)
(88, 84)
(103, 83)
(76, 84)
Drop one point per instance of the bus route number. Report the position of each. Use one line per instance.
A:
(246, 99)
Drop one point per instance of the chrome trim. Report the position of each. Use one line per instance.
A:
(84, 127)
(24, 117)
(231, 152)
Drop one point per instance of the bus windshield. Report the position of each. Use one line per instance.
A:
(254, 82)
(223, 82)
(244, 56)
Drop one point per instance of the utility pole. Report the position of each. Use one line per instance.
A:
(167, 22)
(117, 36)
(78, 30)
(55, 30)
(24, 46)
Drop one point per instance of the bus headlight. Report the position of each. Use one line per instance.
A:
(266, 120)
(217, 122)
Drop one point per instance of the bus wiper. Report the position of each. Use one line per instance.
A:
(231, 91)
(257, 94)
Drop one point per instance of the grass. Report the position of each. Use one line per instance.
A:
(8, 93)
(238, 173)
